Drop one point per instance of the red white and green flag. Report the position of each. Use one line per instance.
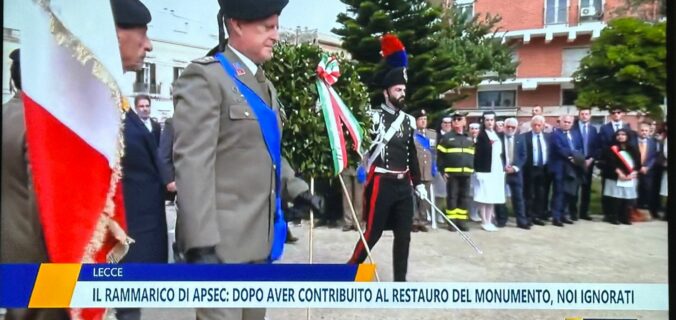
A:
(71, 75)
(336, 113)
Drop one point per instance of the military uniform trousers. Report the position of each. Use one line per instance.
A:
(457, 196)
(388, 204)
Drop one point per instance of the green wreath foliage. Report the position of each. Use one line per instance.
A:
(305, 141)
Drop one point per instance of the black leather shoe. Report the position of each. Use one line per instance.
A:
(348, 228)
(414, 229)
(586, 218)
(523, 226)
(615, 222)
(423, 228)
(557, 223)
(501, 225)
(625, 222)
(461, 225)
(538, 222)
(291, 239)
(574, 218)
(566, 220)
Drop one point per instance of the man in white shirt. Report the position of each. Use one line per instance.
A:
(535, 175)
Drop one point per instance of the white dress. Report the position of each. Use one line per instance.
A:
(664, 188)
(489, 187)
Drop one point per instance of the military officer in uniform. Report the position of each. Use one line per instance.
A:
(456, 161)
(227, 141)
(393, 170)
(425, 145)
(21, 239)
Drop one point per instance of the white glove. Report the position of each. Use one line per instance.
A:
(421, 191)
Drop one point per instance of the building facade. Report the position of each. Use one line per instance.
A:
(176, 40)
(550, 38)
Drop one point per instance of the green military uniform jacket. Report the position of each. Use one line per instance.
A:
(224, 175)
(425, 157)
(21, 238)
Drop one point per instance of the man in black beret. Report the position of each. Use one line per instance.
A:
(227, 176)
(145, 215)
(393, 169)
(131, 22)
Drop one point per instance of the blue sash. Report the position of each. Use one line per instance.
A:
(267, 120)
(425, 143)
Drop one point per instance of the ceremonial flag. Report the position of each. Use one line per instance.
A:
(336, 113)
(71, 69)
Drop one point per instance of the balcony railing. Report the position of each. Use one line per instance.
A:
(140, 87)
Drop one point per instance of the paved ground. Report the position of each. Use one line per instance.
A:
(584, 252)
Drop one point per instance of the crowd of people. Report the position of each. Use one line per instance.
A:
(546, 171)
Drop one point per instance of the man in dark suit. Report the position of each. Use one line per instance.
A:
(590, 148)
(514, 157)
(142, 108)
(165, 153)
(606, 137)
(565, 152)
(535, 175)
(144, 191)
(647, 146)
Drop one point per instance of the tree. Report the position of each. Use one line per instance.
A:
(305, 141)
(445, 50)
(650, 10)
(626, 68)
(475, 50)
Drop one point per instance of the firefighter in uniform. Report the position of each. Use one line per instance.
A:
(393, 171)
(456, 160)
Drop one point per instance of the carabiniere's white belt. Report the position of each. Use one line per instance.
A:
(399, 174)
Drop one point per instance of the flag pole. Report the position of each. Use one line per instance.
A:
(358, 225)
(312, 225)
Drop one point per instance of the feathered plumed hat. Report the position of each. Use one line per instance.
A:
(395, 56)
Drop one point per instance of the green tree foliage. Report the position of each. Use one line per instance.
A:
(626, 68)
(475, 50)
(445, 49)
(305, 141)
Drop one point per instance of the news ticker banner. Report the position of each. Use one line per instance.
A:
(295, 286)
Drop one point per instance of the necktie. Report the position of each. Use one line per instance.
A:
(510, 151)
(617, 127)
(584, 138)
(642, 148)
(570, 140)
(540, 161)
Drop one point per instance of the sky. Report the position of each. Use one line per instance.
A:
(313, 14)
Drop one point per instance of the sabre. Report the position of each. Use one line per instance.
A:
(462, 234)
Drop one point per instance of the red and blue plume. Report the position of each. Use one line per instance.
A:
(393, 51)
